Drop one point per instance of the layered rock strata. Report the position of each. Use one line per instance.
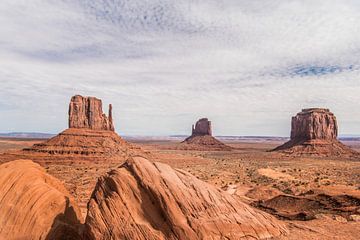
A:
(84, 142)
(35, 205)
(146, 200)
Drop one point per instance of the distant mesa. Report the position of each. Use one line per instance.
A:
(151, 201)
(90, 133)
(202, 128)
(314, 131)
(201, 138)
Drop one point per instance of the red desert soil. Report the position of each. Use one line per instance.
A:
(241, 172)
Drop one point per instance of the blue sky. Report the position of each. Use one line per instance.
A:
(247, 65)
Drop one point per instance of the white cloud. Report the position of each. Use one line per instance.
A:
(248, 65)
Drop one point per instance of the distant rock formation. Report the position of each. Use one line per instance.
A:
(201, 139)
(90, 133)
(314, 131)
(152, 201)
(314, 123)
(35, 205)
(86, 112)
(202, 128)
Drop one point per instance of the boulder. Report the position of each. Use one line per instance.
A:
(35, 205)
(86, 112)
(147, 200)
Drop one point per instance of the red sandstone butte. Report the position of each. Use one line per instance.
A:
(86, 112)
(90, 133)
(314, 131)
(202, 127)
(201, 138)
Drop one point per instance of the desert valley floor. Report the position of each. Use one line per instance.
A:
(318, 198)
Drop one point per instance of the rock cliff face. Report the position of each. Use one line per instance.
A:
(314, 132)
(314, 123)
(35, 205)
(202, 127)
(152, 201)
(86, 112)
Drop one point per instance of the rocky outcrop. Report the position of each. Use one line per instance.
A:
(309, 206)
(202, 127)
(90, 133)
(314, 123)
(86, 112)
(146, 200)
(203, 143)
(35, 205)
(314, 131)
(201, 139)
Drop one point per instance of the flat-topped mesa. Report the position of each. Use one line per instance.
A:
(314, 131)
(202, 128)
(86, 112)
(314, 123)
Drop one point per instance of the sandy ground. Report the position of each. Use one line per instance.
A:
(319, 197)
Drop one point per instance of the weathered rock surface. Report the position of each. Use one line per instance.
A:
(146, 200)
(314, 131)
(86, 112)
(35, 205)
(84, 142)
(314, 123)
(201, 139)
(202, 127)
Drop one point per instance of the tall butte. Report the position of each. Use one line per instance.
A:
(314, 131)
(201, 138)
(90, 133)
(86, 112)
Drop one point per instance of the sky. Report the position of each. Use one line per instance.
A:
(247, 65)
